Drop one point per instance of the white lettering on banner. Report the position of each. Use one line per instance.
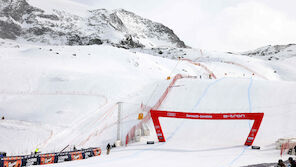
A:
(31, 161)
(198, 116)
(251, 138)
(192, 116)
(87, 154)
(11, 164)
(234, 116)
(206, 116)
(47, 160)
(159, 134)
(62, 158)
(254, 130)
(157, 127)
(76, 156)
(171, 114)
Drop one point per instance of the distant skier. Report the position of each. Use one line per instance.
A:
(74, 148)
(281, 164)
(3, 118)
(108, 148)
(36, 151)
(292, 162)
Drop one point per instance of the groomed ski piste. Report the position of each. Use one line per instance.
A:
(54, 96)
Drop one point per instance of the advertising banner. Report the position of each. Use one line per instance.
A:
(30, 160)
(63, 157)
(76, 156)
(12, 162)
(50, 158)
(47, 159)
(96, 151)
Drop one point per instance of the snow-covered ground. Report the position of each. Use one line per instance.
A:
(53, 96)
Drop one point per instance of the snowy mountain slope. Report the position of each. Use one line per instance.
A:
(75, 89)
(54, 96)
(192, 142)
(65, 86)
(280, 57)
(276, 52)
(19, 20)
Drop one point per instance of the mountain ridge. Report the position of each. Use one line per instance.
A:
(22, 21)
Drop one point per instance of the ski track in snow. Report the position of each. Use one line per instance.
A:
(205, 93)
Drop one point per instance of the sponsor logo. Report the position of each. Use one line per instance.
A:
(48, 160)
(198, 116)
(159, 134)
(31, 161)
(62, 158)
(254, 130)
(76, 157)
(250, 138)
(12, 164)
(157, 127)
(87, 154)
(171, 114)
(206, 116)
(192, 116)
(234, 116)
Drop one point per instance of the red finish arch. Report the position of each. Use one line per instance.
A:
(257, 117)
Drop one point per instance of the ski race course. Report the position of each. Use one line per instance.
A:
(53, 100)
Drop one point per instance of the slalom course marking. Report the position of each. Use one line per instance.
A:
(257, 117)
(246, 68)
(202, 66)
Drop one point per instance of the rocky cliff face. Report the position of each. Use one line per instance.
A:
(275, 52)
(21, 21)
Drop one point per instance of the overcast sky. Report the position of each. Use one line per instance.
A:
(223, 25)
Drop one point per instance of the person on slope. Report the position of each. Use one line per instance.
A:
(281, 164)
(36, 151)
(292, 162)
(108, 148)
(74, 148)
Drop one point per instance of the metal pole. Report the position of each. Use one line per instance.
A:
(118, 119)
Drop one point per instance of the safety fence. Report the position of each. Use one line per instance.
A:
(287, 145)
(131, 134)
(211, 74)
(49, 158)
(246, 68)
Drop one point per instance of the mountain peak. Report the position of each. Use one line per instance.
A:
(20, 20)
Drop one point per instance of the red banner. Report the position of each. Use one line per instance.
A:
(257, 117)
